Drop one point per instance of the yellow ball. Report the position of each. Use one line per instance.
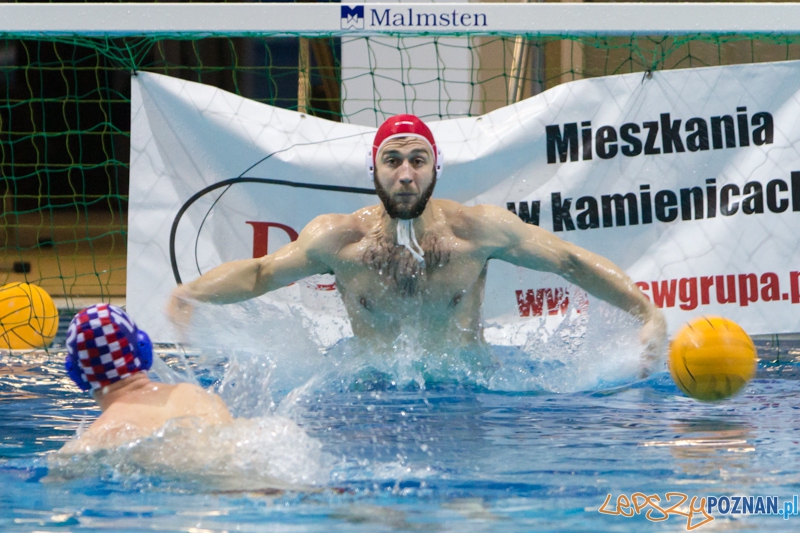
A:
(28, 317)
(712, 358)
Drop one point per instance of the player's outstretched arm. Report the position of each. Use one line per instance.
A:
(532, 247)
(241, 280)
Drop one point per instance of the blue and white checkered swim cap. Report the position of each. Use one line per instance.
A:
(104, 346)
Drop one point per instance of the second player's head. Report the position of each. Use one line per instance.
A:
(105, 346)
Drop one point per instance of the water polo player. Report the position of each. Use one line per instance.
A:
(108, 355)
(414, 264)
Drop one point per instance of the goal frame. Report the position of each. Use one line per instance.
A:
(128, 19)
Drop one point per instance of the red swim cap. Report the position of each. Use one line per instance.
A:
(403, 126)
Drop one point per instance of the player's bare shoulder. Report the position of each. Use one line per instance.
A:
(196, 401)
(482, 224)
(327, 235)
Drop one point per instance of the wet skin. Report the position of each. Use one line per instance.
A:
(136, 407)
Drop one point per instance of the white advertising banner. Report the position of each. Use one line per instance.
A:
(689, 180)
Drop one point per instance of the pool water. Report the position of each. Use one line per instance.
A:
(361, 455)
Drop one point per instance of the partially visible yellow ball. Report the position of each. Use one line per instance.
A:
(712, 358)
(28, 317)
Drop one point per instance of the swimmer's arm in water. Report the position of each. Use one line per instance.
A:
(532, 247)
(241, 280)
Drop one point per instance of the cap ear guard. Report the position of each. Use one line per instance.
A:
(76, 374)
(144, 349)
(71, 364)
(370, 162)
(439, 163)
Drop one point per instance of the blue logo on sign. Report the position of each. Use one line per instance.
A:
(352, 17)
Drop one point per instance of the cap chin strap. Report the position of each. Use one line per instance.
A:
(408, 238)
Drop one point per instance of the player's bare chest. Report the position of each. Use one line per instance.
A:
(380, 267)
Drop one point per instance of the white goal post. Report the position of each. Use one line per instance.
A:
(380, 18)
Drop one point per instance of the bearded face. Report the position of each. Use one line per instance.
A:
(403, 210)
(405, 176)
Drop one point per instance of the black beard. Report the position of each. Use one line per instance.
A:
(395, 211)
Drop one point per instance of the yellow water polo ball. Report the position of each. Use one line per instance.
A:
(28, 317)
(712, 358)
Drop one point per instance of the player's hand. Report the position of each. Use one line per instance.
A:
(653, 337)
(180, 309)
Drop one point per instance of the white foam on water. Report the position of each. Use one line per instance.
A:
(270, 452)
(390, 471)
(584, 351)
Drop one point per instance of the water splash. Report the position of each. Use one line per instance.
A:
(269, 349)
(269, 452)
(584, 351)
(269, 366)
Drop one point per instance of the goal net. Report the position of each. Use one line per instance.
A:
(65, 124)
